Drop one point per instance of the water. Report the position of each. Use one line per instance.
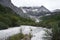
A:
(37, 32)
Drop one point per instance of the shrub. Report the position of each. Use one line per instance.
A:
(3, 26)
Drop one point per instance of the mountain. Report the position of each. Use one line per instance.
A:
(8, 18)
(26, 12)
(43, 9)
(56, 10)
(35, 11)
(7, 3)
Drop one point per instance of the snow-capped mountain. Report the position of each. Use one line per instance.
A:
(43, 9)
(27, 12)
(35, 11)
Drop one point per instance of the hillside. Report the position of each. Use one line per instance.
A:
(8, 3)
(47, 21)
(54, 18)
(53, 22)
(8, 18)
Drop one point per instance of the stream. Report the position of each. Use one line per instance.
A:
(37, 32)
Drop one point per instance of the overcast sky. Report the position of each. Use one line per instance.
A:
(49, 4)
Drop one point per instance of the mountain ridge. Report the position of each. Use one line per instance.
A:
(35, 10)
(8, 3)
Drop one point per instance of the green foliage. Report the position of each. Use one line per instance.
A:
(56, 32)
(9, 18)
(3, 26)
(20, 36)
(53, 21)
(16, 37)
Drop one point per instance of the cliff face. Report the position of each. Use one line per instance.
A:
(8, 3)
(36, 11)
(5, 2)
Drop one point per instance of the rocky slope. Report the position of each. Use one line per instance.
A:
(26, 12)
(35, 11)
(8, 3)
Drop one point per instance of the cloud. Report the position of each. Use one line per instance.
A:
(50, 4)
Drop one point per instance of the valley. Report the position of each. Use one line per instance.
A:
(28, 23)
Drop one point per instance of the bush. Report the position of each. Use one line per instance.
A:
(54, 22)
(3, 26)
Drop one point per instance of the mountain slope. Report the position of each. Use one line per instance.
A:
(7, 3)
(35, 11)
(48, 21)
(43, 9)
(8, 18)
